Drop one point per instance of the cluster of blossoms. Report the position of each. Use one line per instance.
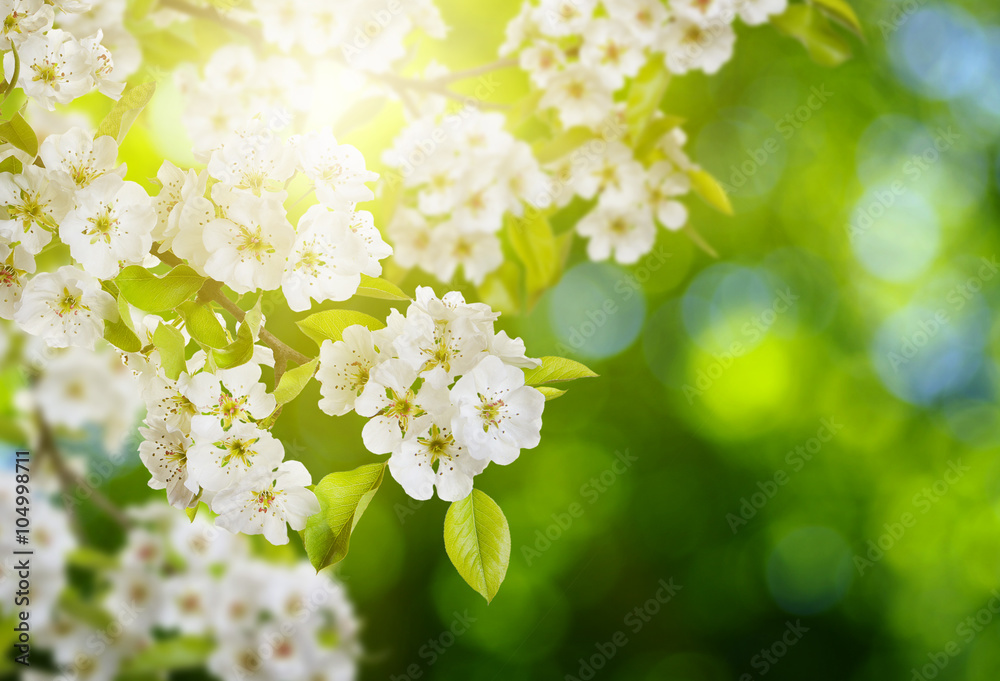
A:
(241, 236)
(179, 578)
(582, 52)
(341, 42)
(369, 35)
(444, 393)
(630, 195)
(104, 220)
(204, 441)
(461, 172)
(55, 65)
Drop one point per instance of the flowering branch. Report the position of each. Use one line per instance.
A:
(212, 290)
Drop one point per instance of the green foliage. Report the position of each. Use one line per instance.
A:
(556, 370)
(120, 332)
(550, 392)
(477, 539)
(547, 151)
(330, 324)
(644, 97)
(19, 133)
(809, 26)
(125, 111)
(532, 239)
(841, 11)
(372, 287)
(146, 291)
(343, 498)
(203, 325)
(11, 164)
(240, 351)
(709, 189)
(294, 382)
(170, 343)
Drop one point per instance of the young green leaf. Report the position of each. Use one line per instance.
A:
(12, 165)
(203, 326)
(343, 498)
(119, 335)
(654, 132)
(551, 150)
(380, 288)
(550, 392)
(477, 540)
(170, 342)
(240, 351)
(709, 189)
(19, 133)
(841, 11)
(294, 382)
(146, 291)
(556, 370)
(644, 96)
(123, 114)
(532, 239)
(330, 324)
(810, 27)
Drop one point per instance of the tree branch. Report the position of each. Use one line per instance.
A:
(70, 482)
(212, 290)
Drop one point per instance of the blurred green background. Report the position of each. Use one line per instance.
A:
(809, 422)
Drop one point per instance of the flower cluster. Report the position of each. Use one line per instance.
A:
(105, 221)
(205, 441)
(188, 582)
(629, 195)
(241, 236)
(580, 53)
(55, 65)
(369, 35)
(340, 43)
(461, 173)
(444, 393)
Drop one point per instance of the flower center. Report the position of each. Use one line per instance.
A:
(252, 241)
(238, 450)
(68, 303)
(263, 500)
(45, 72)
(101, 227)
(491, 412)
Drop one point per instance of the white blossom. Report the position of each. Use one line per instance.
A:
(65, 307)
(264, 502)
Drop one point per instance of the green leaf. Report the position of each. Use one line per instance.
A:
(549, 392)
(709, 189)
(11, 164)
(294, 381)
(330, 324)
(556, 370)
(532, 239)
(240, 351)
(121, 333)
(343, 498)
(123, 114)
(654, 132)
(841, 11)
(15, 75)
(203, 326)
(644, 97)
(146, 291)
(170, 342)
(19, 133)
(547, 151)
(179, 652)
(810, 27)
(380, 288)
(477, 539)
